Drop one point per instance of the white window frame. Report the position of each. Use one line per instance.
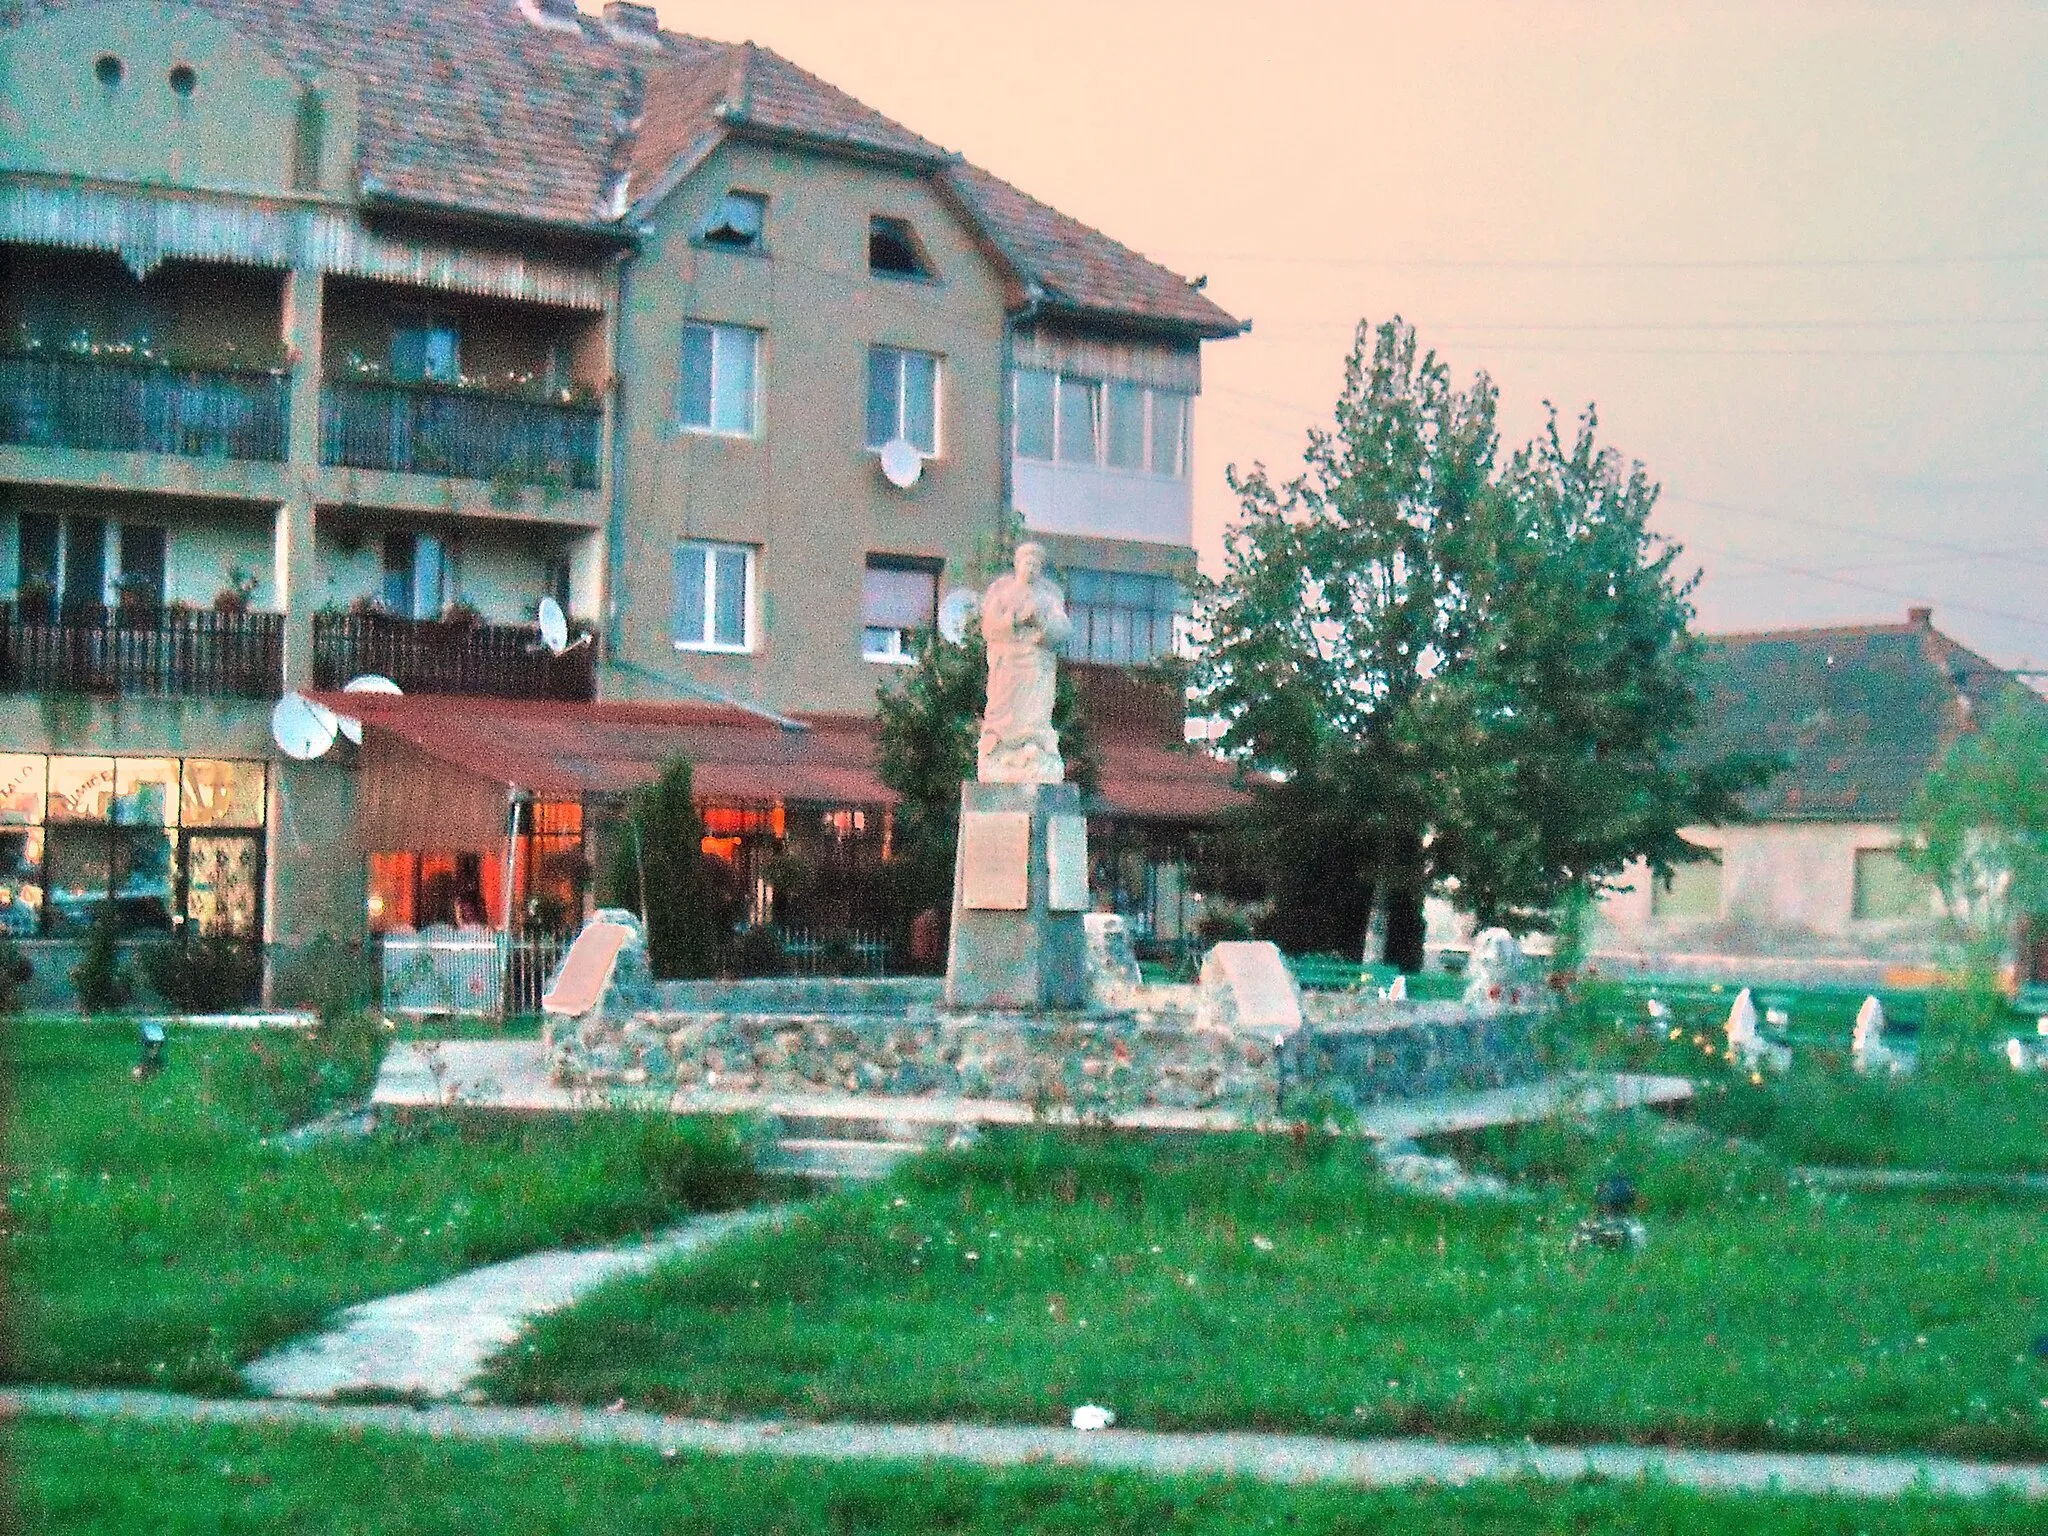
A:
(719, 331)
(710, 550)
(1104, 387)
(897, 651)
(938, 362)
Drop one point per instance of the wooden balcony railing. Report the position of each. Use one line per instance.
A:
(426, 429)
(122, 406)
(498, 661)
(159, 652)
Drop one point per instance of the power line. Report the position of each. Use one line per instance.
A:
(1960, 551)
(1639, 264)
(2029, 620)
(1427, 327)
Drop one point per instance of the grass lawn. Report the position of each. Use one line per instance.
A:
(104, 1479)
(1264, 1284)
(154, 1235)
(1962, 1111)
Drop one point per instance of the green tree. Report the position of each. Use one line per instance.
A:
(1980, 825)
(1451, 672)
(660, 868)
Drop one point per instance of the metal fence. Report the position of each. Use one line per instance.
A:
(498, 661)
(468, 972)
(424, 429)
(123, 406)
(161, 652)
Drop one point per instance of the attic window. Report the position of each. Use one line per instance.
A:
(738, 221)
(108, 70)
(894, 249)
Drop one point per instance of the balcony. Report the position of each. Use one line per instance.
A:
(153, 652)
(497, 661)
(122, 405)
(428, 429)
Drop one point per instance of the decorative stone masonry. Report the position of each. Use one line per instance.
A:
(1353, 1054)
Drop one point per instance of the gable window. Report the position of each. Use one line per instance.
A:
(899, 601)
(714, 597)
(737, 222)
(721, 379)
(1118, 425)
(429, 353)
(894, 249)
(903, 399)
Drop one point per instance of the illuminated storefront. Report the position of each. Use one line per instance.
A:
(167, 842)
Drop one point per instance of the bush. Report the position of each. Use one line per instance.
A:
(208, 975)
(102, 980)
(15, 973)
(759, 952)
(327, 977)
(700, 1165)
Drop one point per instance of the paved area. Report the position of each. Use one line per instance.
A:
(1266, 1458)
(513, 1075)
(432, 1343)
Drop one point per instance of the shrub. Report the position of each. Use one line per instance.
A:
(207, 975)
(332, 979)
(15, 973)
(102, 980)
(700, 1165)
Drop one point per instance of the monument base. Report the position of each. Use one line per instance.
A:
(1020, 889)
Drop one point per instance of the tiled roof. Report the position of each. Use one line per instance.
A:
(1858, 715)
(519, 110)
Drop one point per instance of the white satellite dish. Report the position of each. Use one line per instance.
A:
(554, 626)
(301, 728)
(902, 464)
(956, 611)
(369, 682)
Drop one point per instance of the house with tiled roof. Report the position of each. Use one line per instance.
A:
(1812, 886)
(338, 336)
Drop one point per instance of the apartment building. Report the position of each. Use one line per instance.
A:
(338, 336)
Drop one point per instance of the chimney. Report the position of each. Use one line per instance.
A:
(552, 15)
(628, 22)
(1920, 618)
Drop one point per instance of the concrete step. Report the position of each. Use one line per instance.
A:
(805, 1125)
(820, 1157)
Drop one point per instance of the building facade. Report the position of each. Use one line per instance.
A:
(337, 338)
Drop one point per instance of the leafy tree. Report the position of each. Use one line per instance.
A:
(1980, 824)
(1451, 670)
(102, 980)
(660, 867)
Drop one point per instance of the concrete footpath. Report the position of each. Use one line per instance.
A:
(432, 1342)
(1264, 1458)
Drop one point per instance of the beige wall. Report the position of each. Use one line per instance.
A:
(501, 569)
(238, 130)
(805, 490)
(1787, 891)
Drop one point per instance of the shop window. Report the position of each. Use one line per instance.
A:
(22, 776)
(222, 793)
(224, 885)
(81, 788)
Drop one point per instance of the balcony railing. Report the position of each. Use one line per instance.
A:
(498, 661)
(161, 652)
(121, 406)
(424, 429)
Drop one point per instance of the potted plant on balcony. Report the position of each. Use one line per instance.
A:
(35, 596)
(136, 593)
(234, 597)
(462, 615)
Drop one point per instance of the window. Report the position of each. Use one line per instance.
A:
(736, 223)
(1121, 619)
(894, 249)
(63, 558)
(1121, 425)
(1034, 407)
(159, 841)
(899, 602)
(418, 575)
(143, 557)
(714, 598)
(903, 399)
(721, 372)
(1690, 893)
(1887, 888)
(428, 353)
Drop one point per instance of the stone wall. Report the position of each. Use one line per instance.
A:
(1395, 1051)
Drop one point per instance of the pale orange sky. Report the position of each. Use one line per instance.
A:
(1795, 253)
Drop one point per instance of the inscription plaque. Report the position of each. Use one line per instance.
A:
(1066, 858)
(995, 861)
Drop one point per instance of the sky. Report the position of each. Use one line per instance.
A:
(1795, 254)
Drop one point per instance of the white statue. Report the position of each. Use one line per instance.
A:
(1867, 1050)
(1023, 621)
(1747, 1046)
(1495, 977)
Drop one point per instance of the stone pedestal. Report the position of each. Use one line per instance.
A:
(1020, 889)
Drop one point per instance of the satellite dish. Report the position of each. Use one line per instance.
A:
(301, 728)
(960, 606)
(554, 628)
(901, 463)
(369, 682)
